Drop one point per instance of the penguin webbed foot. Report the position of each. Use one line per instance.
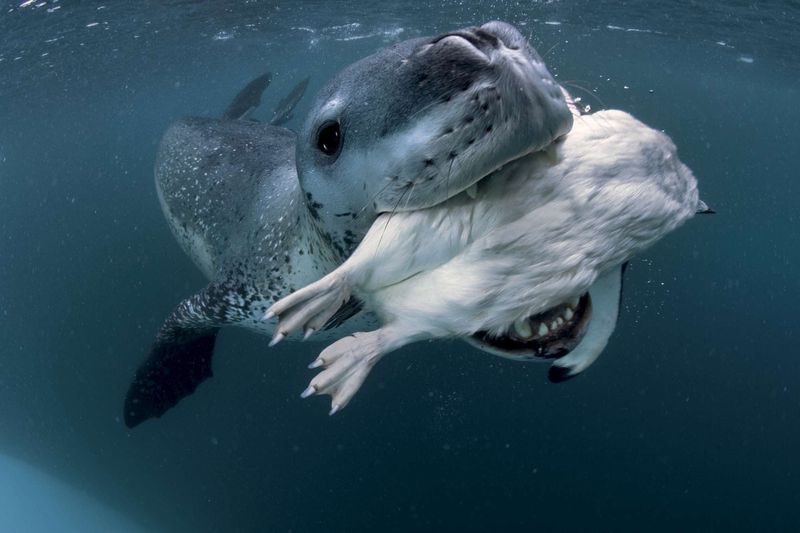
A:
(309, 308)
(346, 364)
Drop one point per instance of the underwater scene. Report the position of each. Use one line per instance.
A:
(171, 171)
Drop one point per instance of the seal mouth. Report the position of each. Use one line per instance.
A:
(550, 334)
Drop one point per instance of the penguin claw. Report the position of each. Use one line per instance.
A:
(347, 363)
(278, 337)
(311, 307)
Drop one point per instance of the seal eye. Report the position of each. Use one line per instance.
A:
(329, 138)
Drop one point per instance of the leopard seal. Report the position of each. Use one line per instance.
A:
(263, 211)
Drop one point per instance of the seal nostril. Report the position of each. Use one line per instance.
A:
(487, 37)
(477, 37)
(506, 34)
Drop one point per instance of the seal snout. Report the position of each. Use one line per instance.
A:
(484, 42)
(487, 39)
(479, 38)
(506, 34)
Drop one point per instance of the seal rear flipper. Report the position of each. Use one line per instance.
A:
(173, 370)
(284, 110)
(606, 297)
(180, 358)
(248, 99)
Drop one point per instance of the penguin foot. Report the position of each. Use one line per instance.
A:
(309, 308)
(346, 363)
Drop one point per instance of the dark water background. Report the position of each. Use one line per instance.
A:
(689, 422)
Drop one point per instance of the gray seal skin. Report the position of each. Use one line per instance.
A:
(229, 191)
(263, 212)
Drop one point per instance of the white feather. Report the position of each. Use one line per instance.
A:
(538, 233)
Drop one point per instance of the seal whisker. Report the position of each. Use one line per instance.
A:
(544, 55)
(450, 170)
(574, 85)
(389, 218)
(370, 200)
(422, 110)
(410, 194)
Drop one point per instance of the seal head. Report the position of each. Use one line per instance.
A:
(421, 121)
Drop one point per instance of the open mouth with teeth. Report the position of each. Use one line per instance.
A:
(571, 335)
(547, 335)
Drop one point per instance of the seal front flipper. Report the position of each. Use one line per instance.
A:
(606, 297)
(180, 358)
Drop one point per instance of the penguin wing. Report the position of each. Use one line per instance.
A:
(606, 294)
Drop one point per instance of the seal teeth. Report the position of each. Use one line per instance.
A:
(568, 314)
(543, 329)
(472, 191)
(523, 328)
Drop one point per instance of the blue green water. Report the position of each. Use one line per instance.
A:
(688, 422)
